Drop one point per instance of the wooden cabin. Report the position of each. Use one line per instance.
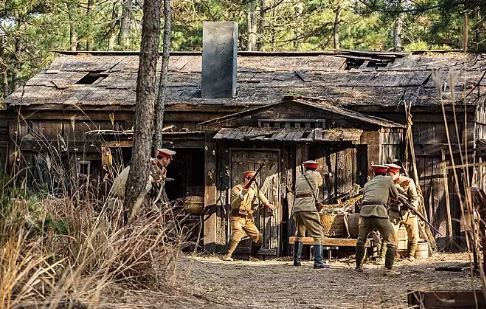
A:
(344, 108)
(280, 137)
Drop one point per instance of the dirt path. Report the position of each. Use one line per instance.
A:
(207, 282)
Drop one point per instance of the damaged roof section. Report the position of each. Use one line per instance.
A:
(288, 135)
(343, 77)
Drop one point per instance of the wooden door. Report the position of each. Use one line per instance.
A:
(268, 182)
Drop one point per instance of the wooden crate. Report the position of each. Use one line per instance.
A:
(430, 299)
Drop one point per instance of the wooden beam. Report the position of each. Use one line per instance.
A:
(210, 238)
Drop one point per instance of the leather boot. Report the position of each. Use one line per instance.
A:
(255, 247)
(382, 251)
(231, 248)
(391, 251)
(297, 253)
(318, 260)
(411, 248)
(360, 255)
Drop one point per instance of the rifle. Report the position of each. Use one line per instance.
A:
(253, 178)
(245, 187)
(404, 202)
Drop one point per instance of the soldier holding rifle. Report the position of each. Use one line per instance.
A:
(374, 215)
(241, 214)
(306, 216)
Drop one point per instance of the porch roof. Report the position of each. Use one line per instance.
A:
(296, 135)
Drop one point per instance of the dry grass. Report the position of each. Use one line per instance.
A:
(57, 252)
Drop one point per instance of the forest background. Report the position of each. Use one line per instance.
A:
(31, 29)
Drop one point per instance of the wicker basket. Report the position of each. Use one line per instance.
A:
(333, 224)
(353, 225)
(194, 205)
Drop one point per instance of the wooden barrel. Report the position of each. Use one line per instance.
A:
(194, 205)
(402, 238)
(353, 225)
(333, 224)
(422, 250)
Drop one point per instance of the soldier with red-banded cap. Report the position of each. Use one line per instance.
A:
(305, 214)
(405, 186)
(158, 171)
(241, 214)
(157, 178)
(374, 215)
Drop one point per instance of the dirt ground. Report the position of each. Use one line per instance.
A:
(208, 282)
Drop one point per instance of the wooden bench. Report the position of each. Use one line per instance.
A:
(331, 242)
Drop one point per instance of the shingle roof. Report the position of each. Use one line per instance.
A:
(381, 79)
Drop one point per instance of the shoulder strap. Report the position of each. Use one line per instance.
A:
(310, 186)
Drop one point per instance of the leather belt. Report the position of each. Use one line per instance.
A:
(304, 195)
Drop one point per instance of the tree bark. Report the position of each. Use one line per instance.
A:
(159, 116)
(123, 40)
(144, 110)
(261, 25)
(252, 25)
(337, 24)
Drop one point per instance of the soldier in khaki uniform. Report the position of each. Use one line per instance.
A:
(241, 215)
(157, 178)
(158, 170)
(374, 215)
(406, 186)
(305, 214)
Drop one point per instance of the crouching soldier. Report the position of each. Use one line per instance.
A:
(241, 215)
(158, 172)
(374, 215)
(306, 216)
(405, 186)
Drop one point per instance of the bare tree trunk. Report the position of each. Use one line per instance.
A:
(111, 32)
(337, 24)
(3, 67)
(17, 64)
(89, 8)
(397, 30)
(465, 30)
(144, 110)
(261, 25)
(73, 34)
(123, 40)
(299, 8)
(252, 25)
(159, 116)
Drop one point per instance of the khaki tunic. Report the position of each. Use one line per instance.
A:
(119, 183)
(406, 185)
(302, 187)
(375, 196)
(306, 217)
(373, 213)
(241, 214)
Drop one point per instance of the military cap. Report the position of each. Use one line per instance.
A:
(379, 169)
(311, 164)
(165, 153)
(393, 167)
(249, 174)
